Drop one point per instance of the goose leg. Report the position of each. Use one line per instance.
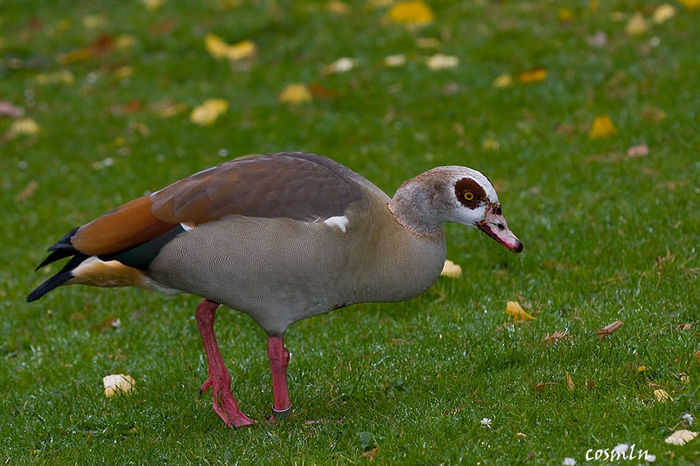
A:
(279, 358)
(219, 379)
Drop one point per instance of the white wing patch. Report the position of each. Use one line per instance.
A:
(186, 226)
(340, 222)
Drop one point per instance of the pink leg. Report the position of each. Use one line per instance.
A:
(219, 379)
(279, 358)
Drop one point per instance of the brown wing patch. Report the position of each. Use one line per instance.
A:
(470, 193)
(292, 185)
(124, 227)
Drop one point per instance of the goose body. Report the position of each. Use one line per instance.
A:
(280, 237)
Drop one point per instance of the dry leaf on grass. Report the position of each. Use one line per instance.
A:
(636, 26)
(218, 48)
(519, 315)
(609, 329)
(542, 386)
(681, 437)
(167, 108)
(370, 453)
(26, 126)
(117, 383)
(502, 81)
(295, 93)
(451, 270)
(58, 77)
(337, 7)
(207, 113)
(341, 65)
(663, 13)
(411, 13)
(569, 382)
(534, 75)
(27, 192)
(662, 395)
(602, 127)
(556, 336)
(440, 61)
(394, 60)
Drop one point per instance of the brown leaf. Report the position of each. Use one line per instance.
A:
(534, 75)
(27, 192)
(609, 329)
(569, 382)
(370, 454)
(542, 386)
(686, 326)
(554, 337)
(321, 92)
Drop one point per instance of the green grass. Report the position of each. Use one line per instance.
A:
(412, 379)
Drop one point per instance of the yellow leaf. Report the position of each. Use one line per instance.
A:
(569, 382)
(502, 81)
(74, 56)
(24, 126)
(412, 13)
(207, 113)
(602, 128)
(490, 144)
(681, 437)
(94, 21)
(564, 14)
(117, 383)
(451, 270)
(534, 75)
(636, 26)
(514, 309)
(395, 60)
(662, 396)
(295, 93)
(440, 61)
(219, 49)
(664, 13)
(338, 7)
(690, 4)
(62, 76)
(124, 41)
(152, 5)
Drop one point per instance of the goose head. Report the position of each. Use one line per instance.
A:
(452, 194)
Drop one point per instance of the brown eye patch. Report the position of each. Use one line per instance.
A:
(470, 193)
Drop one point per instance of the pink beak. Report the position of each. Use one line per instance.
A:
(494, 224)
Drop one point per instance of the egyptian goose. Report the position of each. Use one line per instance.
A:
(281, 237)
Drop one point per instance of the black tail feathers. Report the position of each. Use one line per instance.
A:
(63, 248)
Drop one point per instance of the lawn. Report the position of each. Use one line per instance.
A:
(586, 116)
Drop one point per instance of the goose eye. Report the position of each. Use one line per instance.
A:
(468, 196)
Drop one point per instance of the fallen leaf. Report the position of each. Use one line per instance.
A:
(152, 5)
(686, 326)
(167, 108)
(394, 60)
(520, 435)
(207, 113)
(428, 43)
(58, 77)
(534, 75)
(341, 65)
(124, 41)
(569, 382)
(25, 126)
(609, 329)
(602, 127)
(690, 4)
(441, 61)
(662, 395)
(451, 270)
(502, 81)
(652, 114)
(411, 13)
(542, 386)
(490, 144)
(641, 150)
(27, 191)
(117, 383)
(318, 91)
(94, 21)
(636, 26)
(9, 110)
(335, 6)
(370, 453)
(556, 336)
(519, 315)
(663, 13)
(219, 49)
(681, 437)
(295, 93)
